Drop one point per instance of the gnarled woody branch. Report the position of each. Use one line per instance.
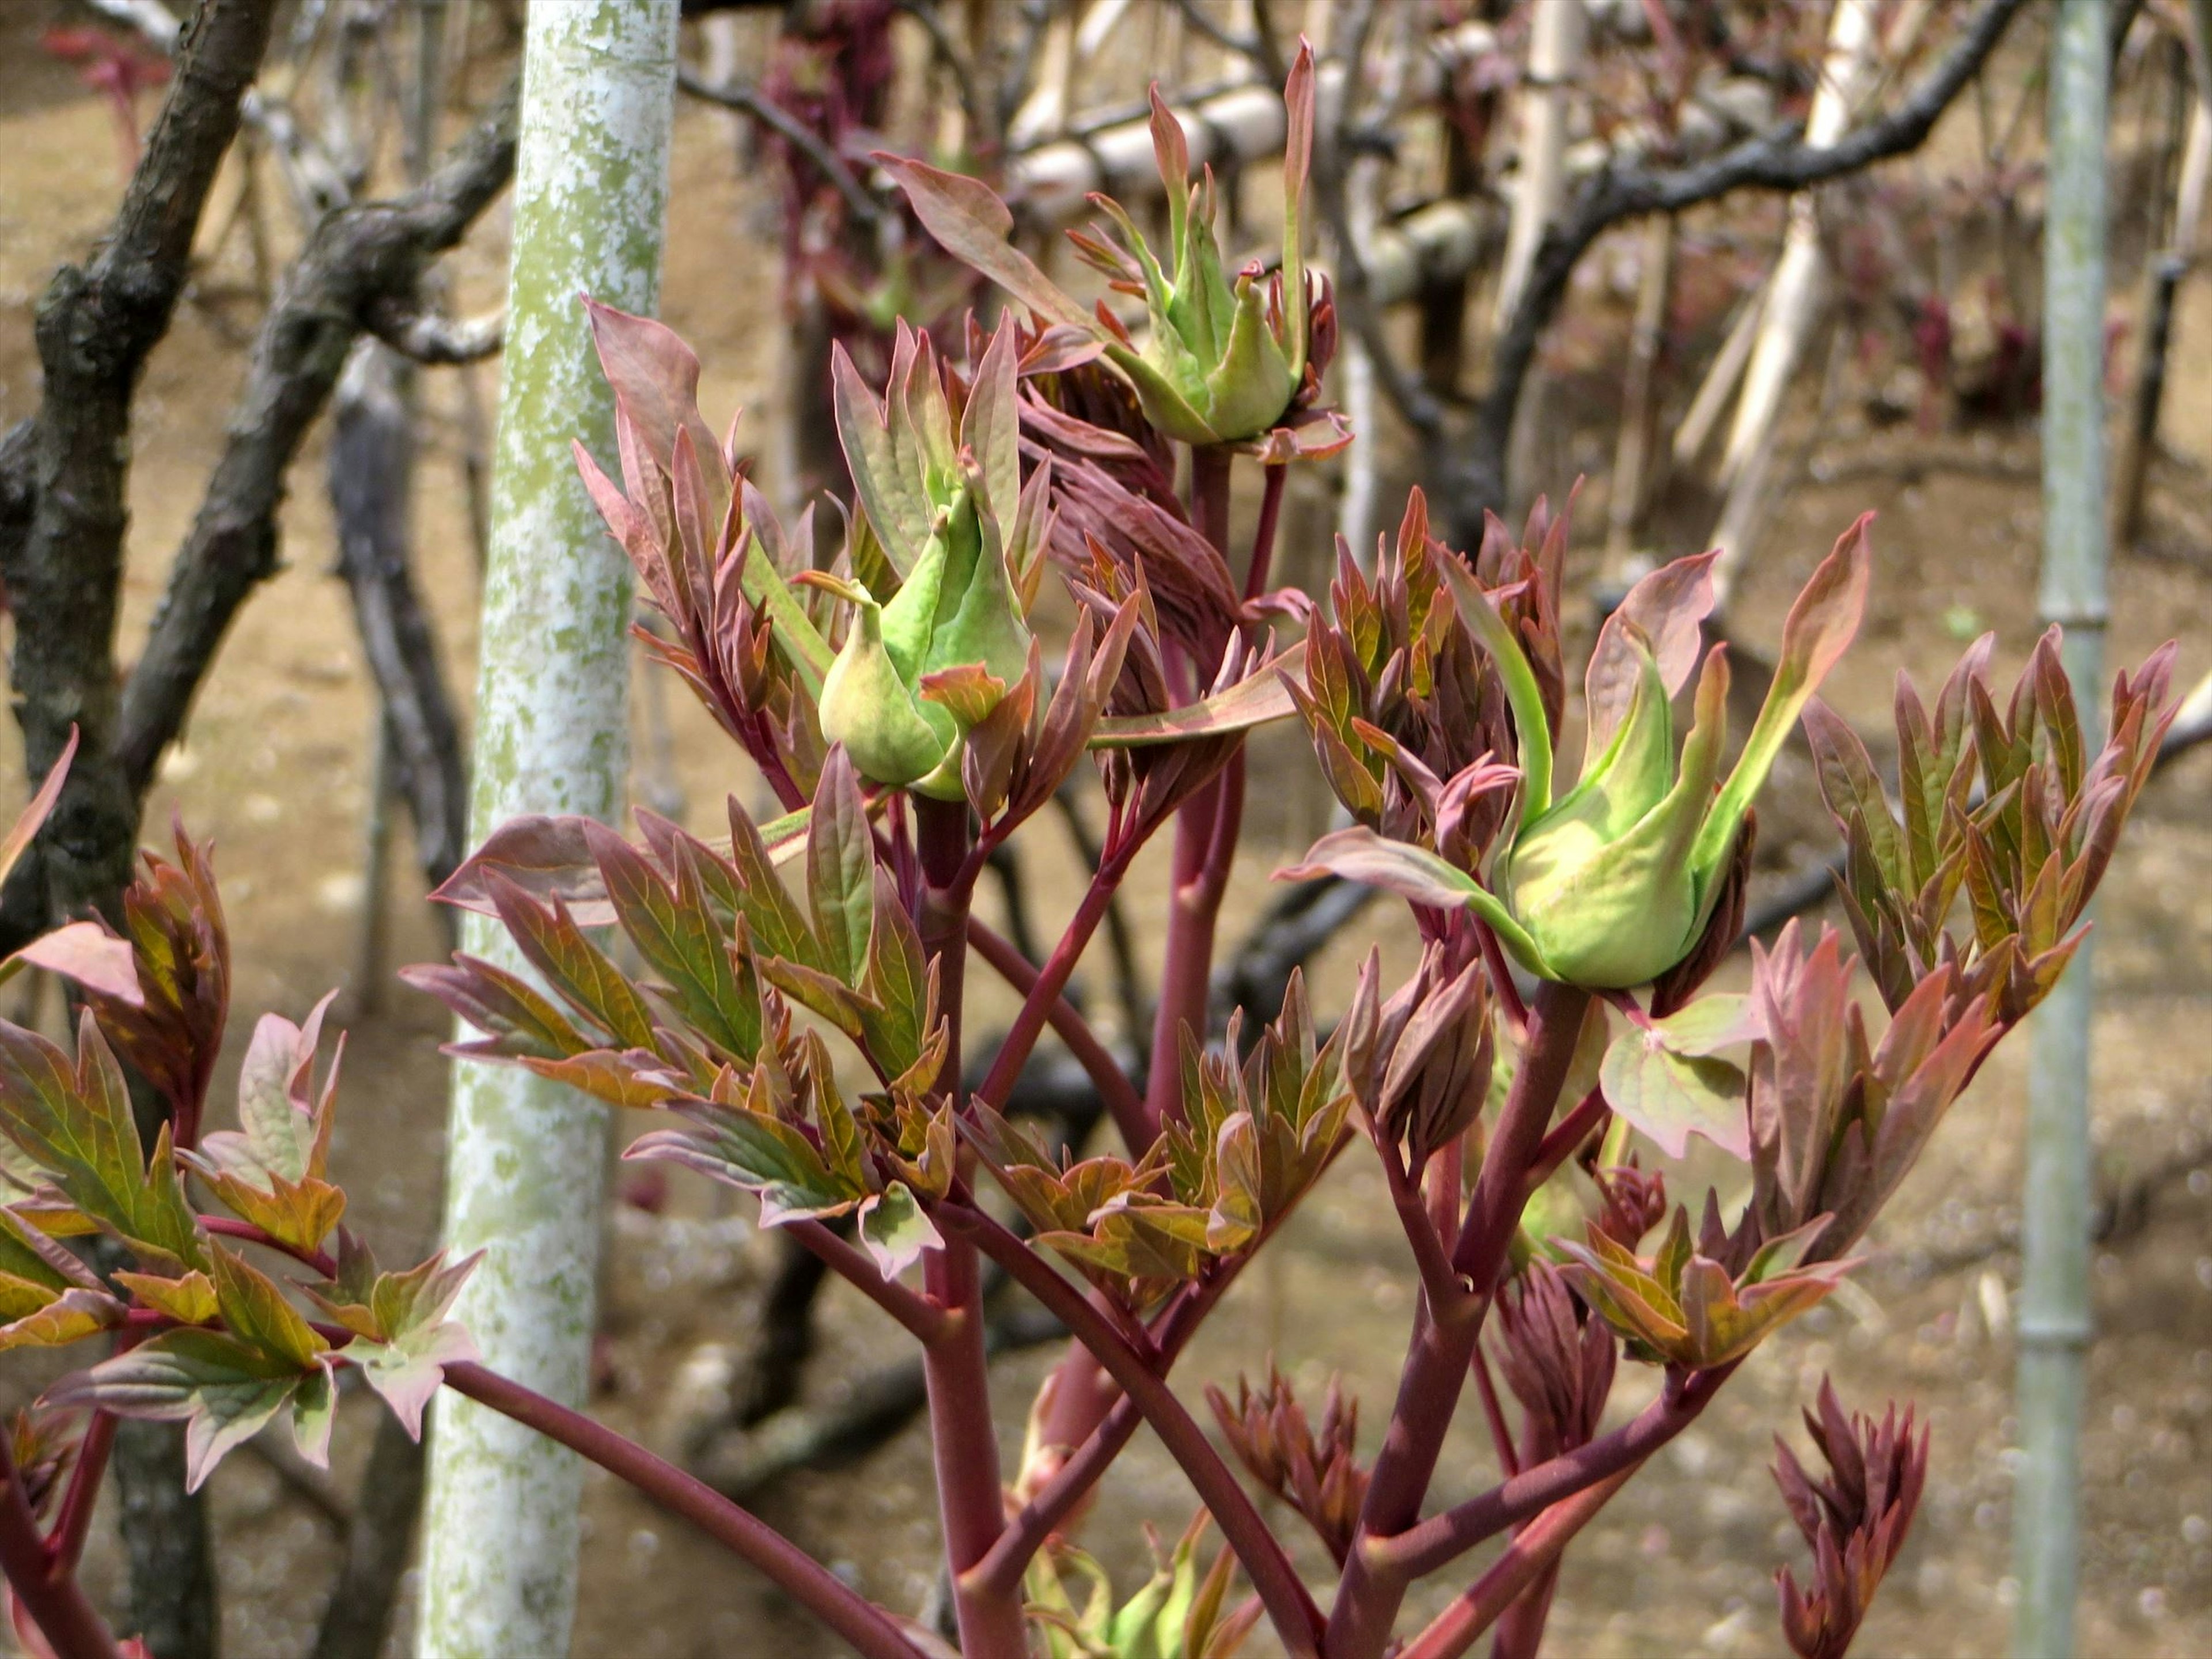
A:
(359, 258)
(63, 514)
(1779, 159)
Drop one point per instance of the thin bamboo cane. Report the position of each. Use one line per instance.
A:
(2054, 1302)
(1632, 465)
(526, 1159)
(1559, 37)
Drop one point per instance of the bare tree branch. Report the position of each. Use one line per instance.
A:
(1778, 159)
(801, 138)
(356, 258)
(371, 462)
(431, 338)
(378, 1538)
(61, 546)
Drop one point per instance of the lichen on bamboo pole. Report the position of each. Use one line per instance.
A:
(526, 1159)
(2054, 1311)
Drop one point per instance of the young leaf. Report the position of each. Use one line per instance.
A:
(257, 1313)
(1259, 699)
(35, 810)
(575, 968)
(841, 865)
(75, 1124)
(894, 1229)
(1670, 1096)
(221, 1390)
(973, 226)
(314, 1412)
(69, 1317)
(407, 1370)
(190, 1300)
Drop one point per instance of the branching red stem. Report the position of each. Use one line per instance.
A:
(1291, 1609)
(924, 1320)
(1442, 1350)
(55, 1600)
(65, 1543)
(1459, 1625)
(1044, 992)
(964, 1439)
(1067, 1022)
(1439, 1282)
(222, 1226)
(1263, 534)
(1441, 1539)
(1493, 1411)
(1567, 1136)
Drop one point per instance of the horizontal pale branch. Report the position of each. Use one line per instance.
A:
(1237, 124)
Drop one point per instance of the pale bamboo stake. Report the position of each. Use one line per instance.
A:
(1362, 193)
(1793, 290)
(1559, 36)
(2196, 172)
(1632, 465)
(526, 1159)
(2054, 1299)
(1043, 113)
(1053, 180)
(1703, 417)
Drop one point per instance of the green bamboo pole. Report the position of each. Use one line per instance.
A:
(526, 1159)
(2054, 1305)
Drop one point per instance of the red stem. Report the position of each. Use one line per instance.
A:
(65, 1543)
(924, 1320)
(55, 1600)
(1459, 1625)
(1205, 839)
(1521, 1626)
(1205, 845)
(858, 1620)
(1068, 1024)
(1209, 493)
(963, 1440)
(1044, 993)
(1566, 1137)
(1493, 1409)
(1439, 1284)
(224, 1227)
(1441, 1539)
(1263, 534)
(1442, 1350)
(1501, 977)
(1291, 1609)
(1555, 1023)
(1043, 1513)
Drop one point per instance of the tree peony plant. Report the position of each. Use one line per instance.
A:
(789, 1001)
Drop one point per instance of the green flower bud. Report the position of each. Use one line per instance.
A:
(939, 629)
(892, 736)
(1603, 882)
(1613, 884)
(1221, 362)
(956, 609)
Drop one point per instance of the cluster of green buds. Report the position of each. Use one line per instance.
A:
(1613, 883)
(1225, 360)
(1221, 359)
(943, 567)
